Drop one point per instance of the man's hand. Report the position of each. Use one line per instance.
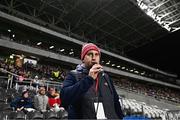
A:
(19, 109)
(93, 72)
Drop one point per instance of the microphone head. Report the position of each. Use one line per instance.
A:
(101, 70)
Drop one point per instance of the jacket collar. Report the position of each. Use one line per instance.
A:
(81, 68)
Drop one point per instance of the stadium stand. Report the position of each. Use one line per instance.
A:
(149, 89)
(11, 86)
(35, 53)
(131, 107)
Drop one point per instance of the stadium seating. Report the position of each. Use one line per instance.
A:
(34, 115)
(20, 115)
(141, 108)
(129, 106)
(50, 115)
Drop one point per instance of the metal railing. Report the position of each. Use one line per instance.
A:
(10, 80)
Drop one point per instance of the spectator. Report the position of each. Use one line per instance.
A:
(53, 97)
(56, 73)
(35, 82)
(41, 100)
(23, 102)
(87, 93)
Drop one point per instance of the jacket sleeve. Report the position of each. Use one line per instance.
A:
(29, 103)
(73, 89)
(117, 105)
(13, 104)
(36, 102)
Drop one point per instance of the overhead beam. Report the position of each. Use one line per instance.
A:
(120, 27)
(93, 13)
(121, 13)
(168, 7)
(124, 23)
(96, 27)
(159, 5)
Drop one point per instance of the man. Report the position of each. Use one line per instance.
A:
(87, 92)
(41, 100)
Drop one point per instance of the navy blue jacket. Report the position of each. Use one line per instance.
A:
(73, 91)
(22, 102)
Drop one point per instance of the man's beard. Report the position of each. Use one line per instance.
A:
(89, 67)
(92, 63)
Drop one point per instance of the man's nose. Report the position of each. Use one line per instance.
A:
(93, 56)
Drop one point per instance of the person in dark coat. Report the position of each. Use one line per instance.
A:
(23, 102)
(88, 92)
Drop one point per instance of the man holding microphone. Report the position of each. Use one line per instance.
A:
(88, 92)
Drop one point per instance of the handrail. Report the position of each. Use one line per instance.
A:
(28, 80)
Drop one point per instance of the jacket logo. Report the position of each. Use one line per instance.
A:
(106, 84)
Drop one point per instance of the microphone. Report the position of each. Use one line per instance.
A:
(102, 71)
(104, 77)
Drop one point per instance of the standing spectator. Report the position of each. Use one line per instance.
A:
(56, 73)
(87, 92)
(41, 100)
(35, 82)
(42, 82)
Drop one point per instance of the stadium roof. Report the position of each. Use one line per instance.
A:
(115, 25)
(118, 26)
(162, 54)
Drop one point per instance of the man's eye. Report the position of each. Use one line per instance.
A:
(96, 54)
(90, 54)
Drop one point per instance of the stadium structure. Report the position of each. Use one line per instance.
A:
(42, 39)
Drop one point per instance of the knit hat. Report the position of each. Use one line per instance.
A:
(87, 47)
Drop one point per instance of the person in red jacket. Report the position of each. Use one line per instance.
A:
(53, 97)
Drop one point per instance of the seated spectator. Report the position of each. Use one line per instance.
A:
(41, 100)
(53, 98)
(22, 103)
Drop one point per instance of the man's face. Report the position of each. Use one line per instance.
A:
(91, 58)
(52, 91)
(42, 91)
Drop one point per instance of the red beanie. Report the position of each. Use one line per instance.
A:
(87, 47)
